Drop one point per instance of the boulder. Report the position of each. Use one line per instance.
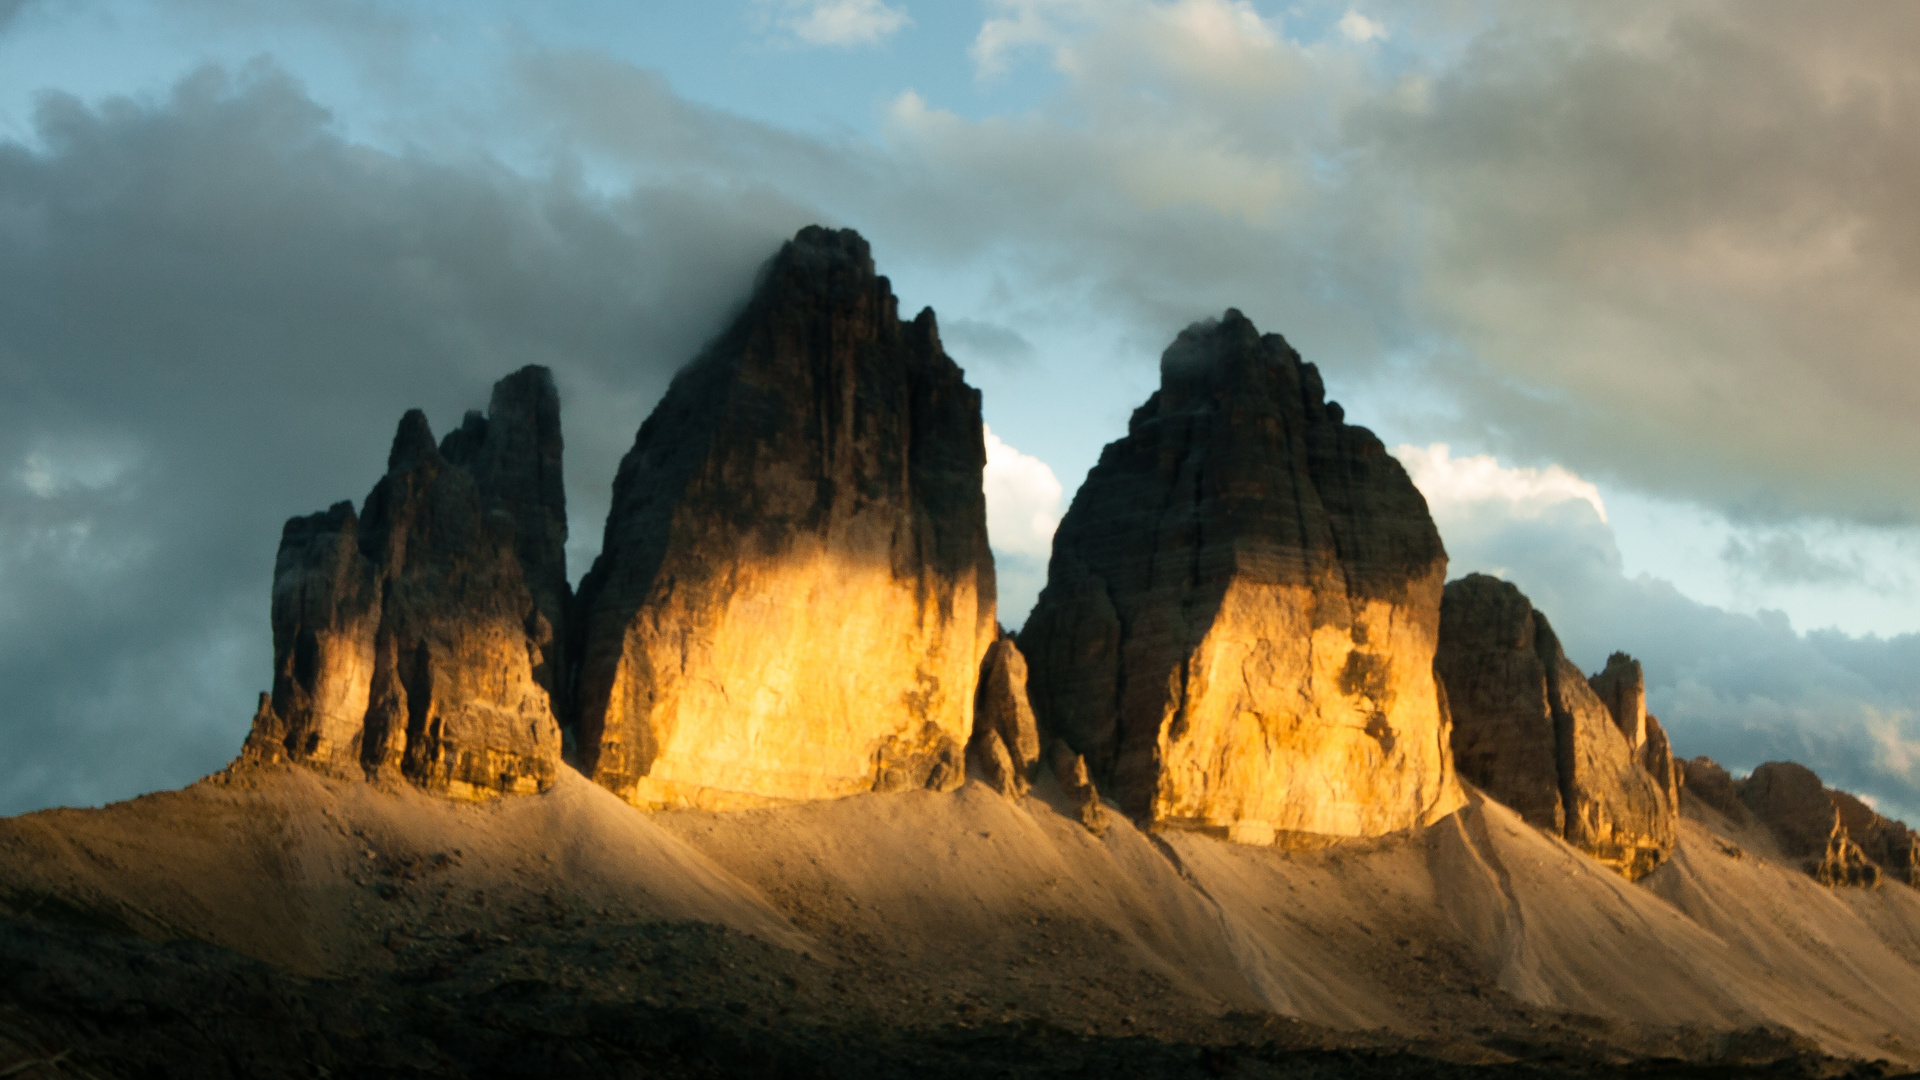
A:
(794, 593)
(1530, 731)
(1005, 745)
(1238, 625)
(1805, 815)
(1713, 786)
(408, 642)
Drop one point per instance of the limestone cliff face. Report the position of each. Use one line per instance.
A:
(407, 641)
(1238, 625)
(794, 593)
(1530, 731)
(1005, 746)
(1823, 828)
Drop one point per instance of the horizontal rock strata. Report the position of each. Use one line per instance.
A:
(1238, 626)
(794, 593)
(1530, 730)
(419, 638)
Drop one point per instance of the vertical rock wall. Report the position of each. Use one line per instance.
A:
(1238, 626)
(407, 641)
(1530, 731)
(794, 594)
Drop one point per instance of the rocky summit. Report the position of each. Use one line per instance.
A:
(419, 639)
(794, 593)
(1238, 626)
(1529, 730)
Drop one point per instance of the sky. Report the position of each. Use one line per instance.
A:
(1632, 290)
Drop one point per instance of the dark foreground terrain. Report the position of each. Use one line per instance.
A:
(683, 999)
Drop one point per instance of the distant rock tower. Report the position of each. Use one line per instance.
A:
(421, 638)
(1530, 731)
(1240, 615)
(794, 594)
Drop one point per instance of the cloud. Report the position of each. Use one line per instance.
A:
(1448, 481)
(842, 23)
(991, 342)
(1023, 510)
(1358, 28)
(1023, 500)
(213, 309)
(1785, 558)
(1675, 246)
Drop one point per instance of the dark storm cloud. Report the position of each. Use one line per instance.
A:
(1785, 558)
(977, 339)
(1677, 244)
(213, 309)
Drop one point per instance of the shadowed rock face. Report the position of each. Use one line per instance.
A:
(407, 641)
(1822, 827)
(1238, 626)
(1005, 745)
(1711, 784)
(1530, 731)
(794, 593)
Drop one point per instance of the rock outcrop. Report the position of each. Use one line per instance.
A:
(1806, 817)
(1622, 688)
(1238, 626)
(794, 594)
(1083, 798)
(418, 639)
(1531, 732)
(1005, 745)
(1844, 863)
(1713, 786)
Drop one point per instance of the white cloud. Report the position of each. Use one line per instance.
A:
(1448, 482)
(1361, 29)
(844, 23)
(1023, 500)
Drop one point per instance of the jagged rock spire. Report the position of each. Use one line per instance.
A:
(407, 642)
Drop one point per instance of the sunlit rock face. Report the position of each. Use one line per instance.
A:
(1622, 687)
(1828, 831)
(1529, 730)
(794, 594)
(418, 639)
(1239, 621)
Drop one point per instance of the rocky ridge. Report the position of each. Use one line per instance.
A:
(1832, 834)
(1532, 732)
(420, 638)
(1241, 609)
